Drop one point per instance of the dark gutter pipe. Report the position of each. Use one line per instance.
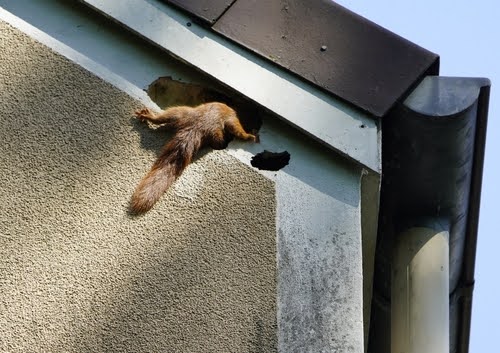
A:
(433, 152)
(473, 217)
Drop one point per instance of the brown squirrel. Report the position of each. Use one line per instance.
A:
(210, 124)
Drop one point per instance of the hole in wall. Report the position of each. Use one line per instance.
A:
(270, 160)
(168, 92)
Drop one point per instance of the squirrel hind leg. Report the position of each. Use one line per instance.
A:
(220, 140)
(235, 128)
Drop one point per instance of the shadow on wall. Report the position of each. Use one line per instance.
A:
(208, 288)
(64, 98)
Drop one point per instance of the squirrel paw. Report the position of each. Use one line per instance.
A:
(143, 114)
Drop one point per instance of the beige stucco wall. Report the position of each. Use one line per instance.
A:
(77, 273)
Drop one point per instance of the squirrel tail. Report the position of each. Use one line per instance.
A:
(174, 158)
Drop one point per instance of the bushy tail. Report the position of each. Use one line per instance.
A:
(174, 158)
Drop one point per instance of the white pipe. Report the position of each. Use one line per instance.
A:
(420, 292)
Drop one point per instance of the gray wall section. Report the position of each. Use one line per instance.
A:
(319, 216)
(319, 260)
(77, 274)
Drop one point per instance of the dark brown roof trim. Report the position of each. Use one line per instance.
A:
(325, 44)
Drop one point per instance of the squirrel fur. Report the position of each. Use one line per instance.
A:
(210, 124)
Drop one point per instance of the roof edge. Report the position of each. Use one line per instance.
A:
(324, 44)
(343, 128)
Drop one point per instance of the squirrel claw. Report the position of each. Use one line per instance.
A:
(143, 114)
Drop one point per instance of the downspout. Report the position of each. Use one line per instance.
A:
(420, 291)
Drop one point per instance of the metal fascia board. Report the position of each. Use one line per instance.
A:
(338, 125)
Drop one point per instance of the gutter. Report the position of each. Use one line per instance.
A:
(467, 282)
(433, 151)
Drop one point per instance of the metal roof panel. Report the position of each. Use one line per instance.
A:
(332, 47)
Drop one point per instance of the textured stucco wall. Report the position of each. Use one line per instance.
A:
(77, 274)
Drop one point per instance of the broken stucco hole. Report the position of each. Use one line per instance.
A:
(362, 126)
(168, 92)
(270, 160)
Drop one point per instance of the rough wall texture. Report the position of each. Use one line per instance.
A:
(77, 274)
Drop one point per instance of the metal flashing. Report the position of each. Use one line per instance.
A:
(338, 125)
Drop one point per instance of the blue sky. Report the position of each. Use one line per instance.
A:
(463, 34)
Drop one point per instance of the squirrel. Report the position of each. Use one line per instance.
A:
(210, 124)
